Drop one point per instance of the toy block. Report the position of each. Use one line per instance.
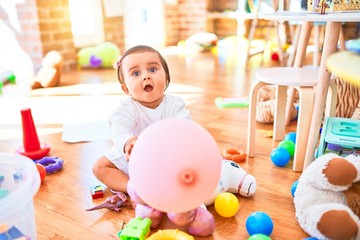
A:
(97, 192)
(15, 233)
(136, 229)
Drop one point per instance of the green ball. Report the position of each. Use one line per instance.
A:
(259, 236)
(289, 146)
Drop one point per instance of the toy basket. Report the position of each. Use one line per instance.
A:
(19, 182)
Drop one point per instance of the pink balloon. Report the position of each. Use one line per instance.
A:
(175, 165)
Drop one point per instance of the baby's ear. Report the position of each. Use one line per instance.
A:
(124, 88)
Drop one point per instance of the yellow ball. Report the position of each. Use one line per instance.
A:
(226, 204)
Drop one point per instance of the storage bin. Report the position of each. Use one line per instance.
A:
(19, 182)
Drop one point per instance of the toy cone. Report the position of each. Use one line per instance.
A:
(32, 147)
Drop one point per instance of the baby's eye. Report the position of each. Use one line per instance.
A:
(135, 74)
(153, 69)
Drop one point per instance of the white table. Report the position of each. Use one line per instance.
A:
(332, 32)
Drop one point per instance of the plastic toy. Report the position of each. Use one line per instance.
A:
(32, 147)
(293, 187)
(289, 146)
(234, 154)
(280, 157)
(136, 229)
(259, 223)
(51, 164)
(12, 233)
(97, 192)
(170, 234)
(259, 237)
(231, 102)
(200, 41)
(327, 197)
(113, 203)
(291, 136)
(233, 179)
(42, 171)
(102, 55)
(226, 204)
(7, 77)
(192, 164)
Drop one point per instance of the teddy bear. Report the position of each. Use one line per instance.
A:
(327, 197)
(50, 72)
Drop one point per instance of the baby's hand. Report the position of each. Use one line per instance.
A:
(129, 146)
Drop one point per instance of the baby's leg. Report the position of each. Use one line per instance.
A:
(107, 173)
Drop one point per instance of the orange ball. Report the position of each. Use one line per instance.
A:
(42, 171)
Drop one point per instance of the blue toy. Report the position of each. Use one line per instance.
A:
(280, 157)
(259, 223)
(291, 136)
(293, 187)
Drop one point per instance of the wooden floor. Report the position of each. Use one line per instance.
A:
(88, 95)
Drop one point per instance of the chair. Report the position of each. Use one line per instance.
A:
(303, 80)
(263, 6)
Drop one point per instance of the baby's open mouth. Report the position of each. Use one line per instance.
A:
(148, 88)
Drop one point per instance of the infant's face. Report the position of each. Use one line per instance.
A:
(145, 78)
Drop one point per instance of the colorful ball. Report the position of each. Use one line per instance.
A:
(280, 157)
(293, 187)
(259, 223)
(291, 136)
(259, 237)
(289, 146)
(226, 204)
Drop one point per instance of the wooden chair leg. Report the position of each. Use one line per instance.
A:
(252, 117)
(331, 100)
(306, 102)
(279, 116)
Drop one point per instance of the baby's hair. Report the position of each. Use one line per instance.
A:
(140, 49)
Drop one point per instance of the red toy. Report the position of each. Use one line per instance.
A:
(32, 147)
(97, 192)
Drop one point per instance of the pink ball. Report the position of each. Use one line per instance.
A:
(175, 165)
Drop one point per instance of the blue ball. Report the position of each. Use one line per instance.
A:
(293, 187)
(259, 223)
(310, 238)
(280, 157)
(291, 136)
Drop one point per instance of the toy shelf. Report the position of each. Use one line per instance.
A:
(340, 131)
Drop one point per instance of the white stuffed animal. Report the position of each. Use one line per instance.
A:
(233, 179)
(327, 198)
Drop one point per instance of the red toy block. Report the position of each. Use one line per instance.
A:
(97, 192)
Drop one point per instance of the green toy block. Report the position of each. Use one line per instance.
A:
(136, 229)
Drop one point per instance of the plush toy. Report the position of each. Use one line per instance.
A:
(50, 72)
(327, 198)
(101, 55)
